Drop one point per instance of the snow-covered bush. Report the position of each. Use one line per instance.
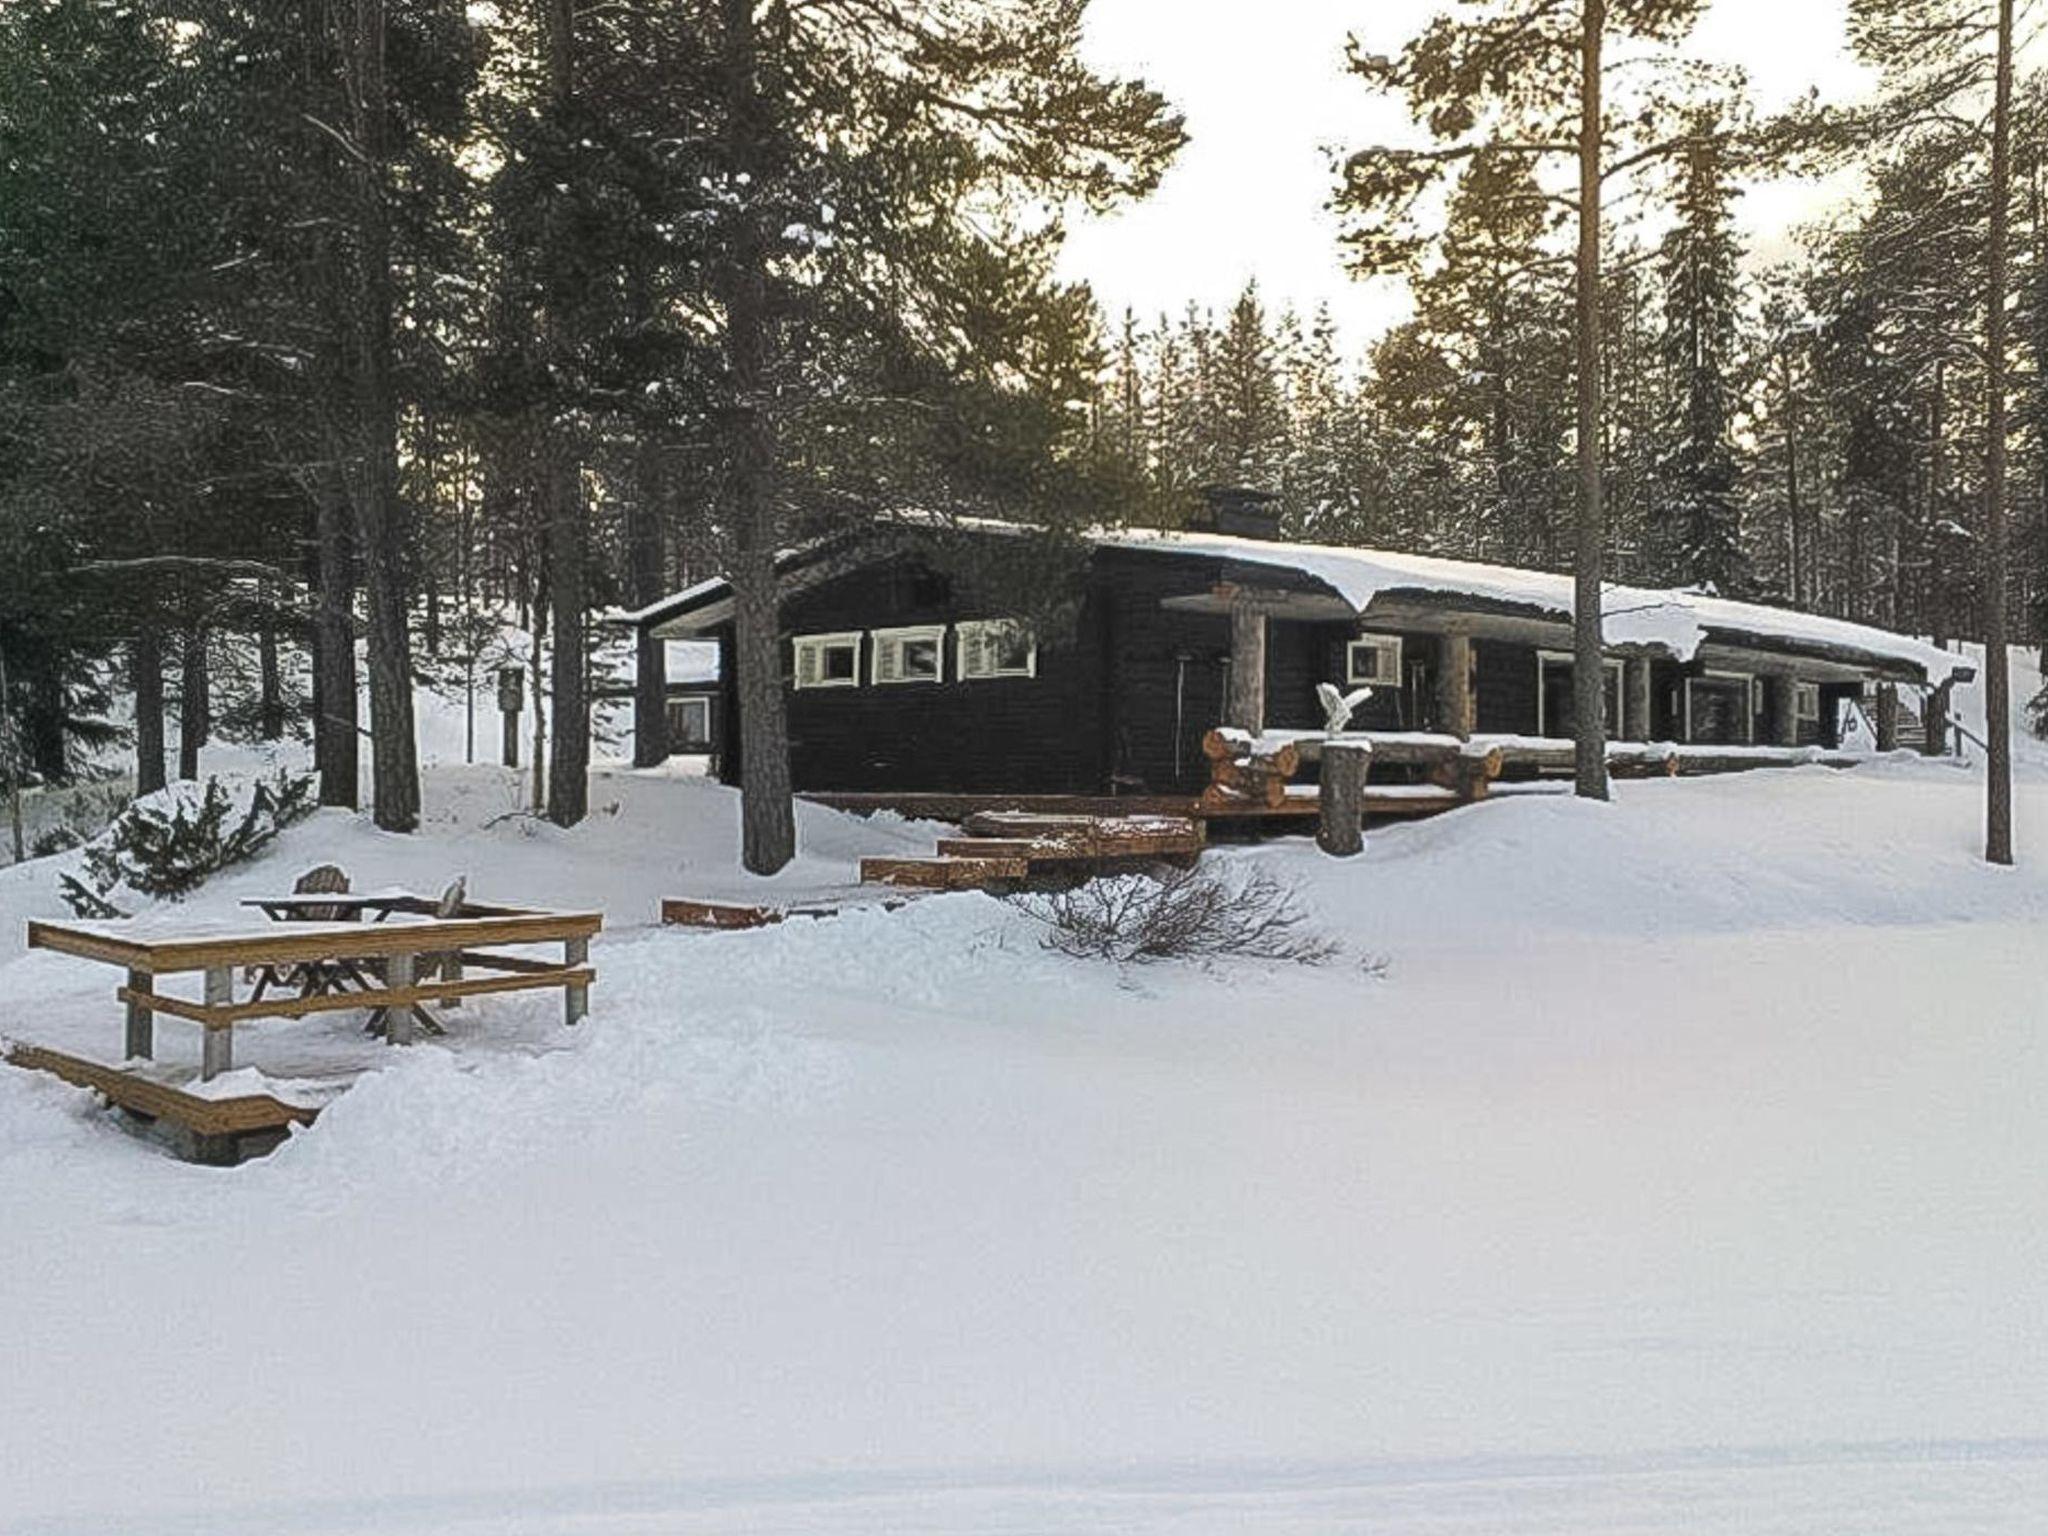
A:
(1179, 914)
(166, 844)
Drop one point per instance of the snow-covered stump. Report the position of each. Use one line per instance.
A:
(1342, 797)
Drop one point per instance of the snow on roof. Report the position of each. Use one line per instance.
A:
(684, 598)
(692, 661)
(1676, 621)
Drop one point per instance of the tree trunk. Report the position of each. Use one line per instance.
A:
(1997, 660)
(568, 553)
(44, 718)
(394, 753)
(270, 686)
(1589, 674)
(335, 745)
(146, 680)
(195, 703)
(561, 486)
(650, 659)
(537, 679)
(767, 815)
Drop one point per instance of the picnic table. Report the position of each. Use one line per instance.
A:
(383, 956)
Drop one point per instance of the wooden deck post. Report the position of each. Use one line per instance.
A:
(1935, 719)
(398, 1019)
(1342, 797)
(1887, 717)
(1457, 711)
(1781, 693)
(575, 1000)
(1244, 703)
(217, 1050)
(141, 1035)
(1635, 699)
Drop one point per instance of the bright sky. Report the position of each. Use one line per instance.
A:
(1263, 86)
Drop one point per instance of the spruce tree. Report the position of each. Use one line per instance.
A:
(1696, 513)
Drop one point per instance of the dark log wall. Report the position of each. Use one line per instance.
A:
(1164, 684)
(1122, 697)
(1506, 688)
(989, 734)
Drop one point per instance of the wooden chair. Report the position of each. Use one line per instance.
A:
(448, 966)
(309, 980)
(445, 966)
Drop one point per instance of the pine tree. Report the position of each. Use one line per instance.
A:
(1529, 80)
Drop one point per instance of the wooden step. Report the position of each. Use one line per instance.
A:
(1028, 848)
(686, 912)
(943, 874)
(1076, 838)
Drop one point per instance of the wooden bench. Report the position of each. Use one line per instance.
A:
(215, 1130)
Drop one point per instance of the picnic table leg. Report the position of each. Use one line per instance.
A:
(218, 1050)
(575, 999)
(141, 1040)
(399, 1018)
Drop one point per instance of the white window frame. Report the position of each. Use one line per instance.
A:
(885, 643)
(1387, 648)
(1802, 695)
(1610, 666)
(1748, 679)
(818, 645)
(967, 639)
(689, 703)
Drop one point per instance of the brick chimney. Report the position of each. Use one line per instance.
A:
(1240, 510)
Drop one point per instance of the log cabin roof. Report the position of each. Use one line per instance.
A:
(1372, 583)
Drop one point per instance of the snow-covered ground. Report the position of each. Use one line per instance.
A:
(1673, 1165)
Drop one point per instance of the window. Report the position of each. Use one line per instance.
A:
(911, 655)
(1554, 707)
(689, 725)
(1373, 659)
(828, 661)
(1806, 701)
(1720, 709)
(997, 648)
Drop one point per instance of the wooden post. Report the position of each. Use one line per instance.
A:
(511, 699)
(1244, 704)
(1456, 707)
(1342, 797)
(398, 1019)
(1936, 719)
(141, 1036)
(217, 1052)
(1635, 698)
(1782, 695)
(1887, 717)
(575, 1000)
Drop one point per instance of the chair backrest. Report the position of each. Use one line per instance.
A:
(322, 880)
(454, 898)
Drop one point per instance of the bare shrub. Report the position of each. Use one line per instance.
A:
(1179, 914)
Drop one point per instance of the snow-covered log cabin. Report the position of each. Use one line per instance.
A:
(902, 680)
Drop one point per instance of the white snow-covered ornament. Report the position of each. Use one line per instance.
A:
(1338, 706)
